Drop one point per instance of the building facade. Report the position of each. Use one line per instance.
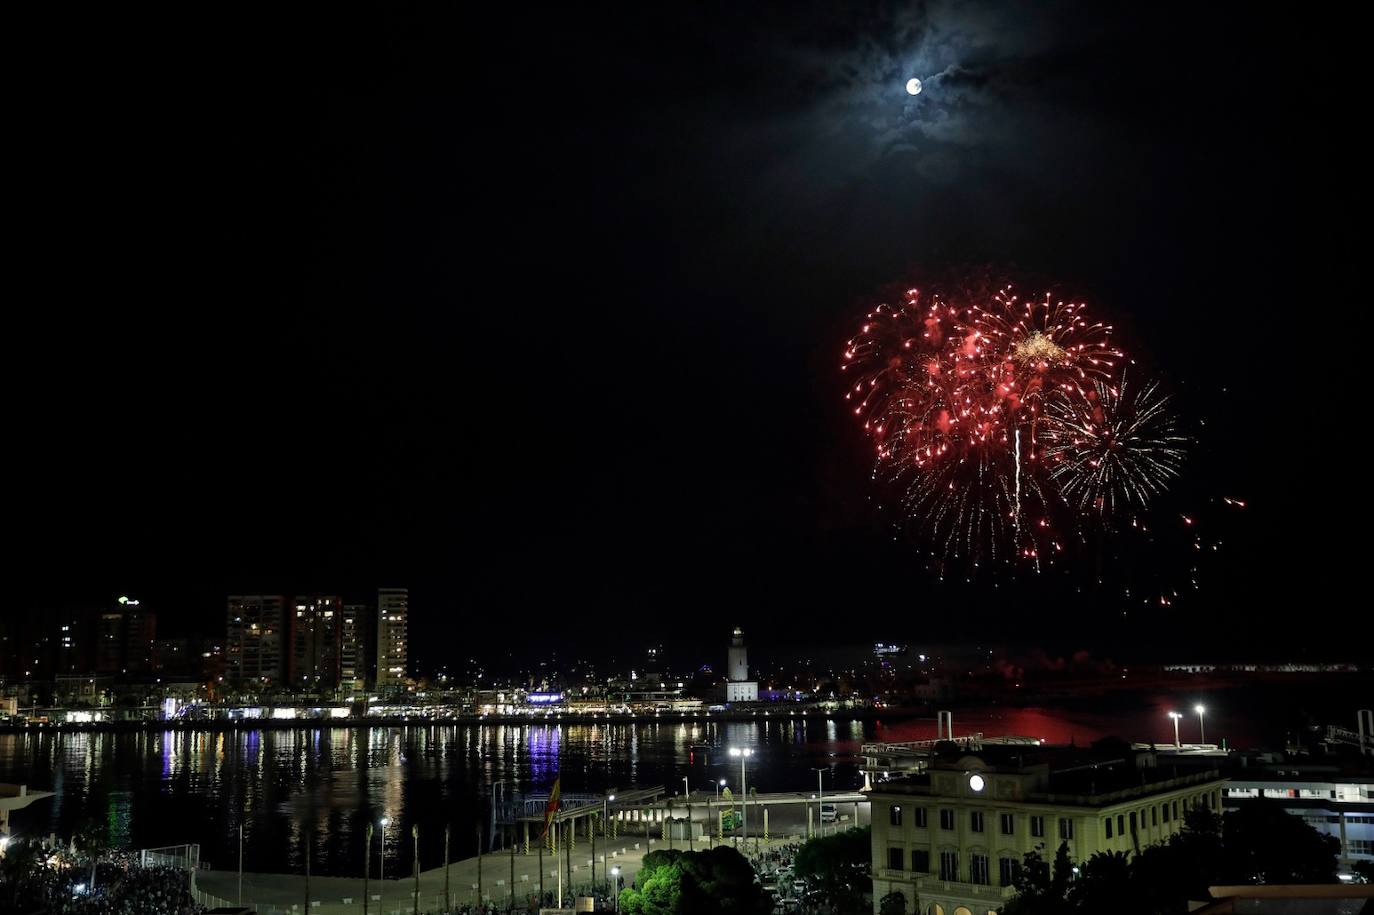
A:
(316, 642)
(952, 839)
(393, 615)
(1334, 799)
(738, 686)
(255, 641)
(125, 639)
(355, 641)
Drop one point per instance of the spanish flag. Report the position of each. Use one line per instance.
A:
(551, 807)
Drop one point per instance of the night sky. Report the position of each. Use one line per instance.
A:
(539, 312)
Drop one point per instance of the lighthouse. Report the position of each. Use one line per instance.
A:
(739, 688)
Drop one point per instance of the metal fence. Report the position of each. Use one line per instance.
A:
(184, 856)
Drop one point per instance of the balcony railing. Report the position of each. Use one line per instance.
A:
(981, 891)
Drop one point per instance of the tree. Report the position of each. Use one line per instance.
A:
(90, 842)
(1263, 843)
(1260, 843)
(1182, 867)
(839, 866)
(715, 882)
(20, 875)
(658, 891)
(1105, 883)
(894, 903)
(1040, 890)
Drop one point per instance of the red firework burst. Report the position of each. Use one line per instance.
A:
(952, 385)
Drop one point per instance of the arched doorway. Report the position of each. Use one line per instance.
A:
(962, 910)
(935, 909)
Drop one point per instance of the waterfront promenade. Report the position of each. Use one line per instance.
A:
(276, 894)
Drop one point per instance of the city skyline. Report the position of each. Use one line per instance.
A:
(890, 458)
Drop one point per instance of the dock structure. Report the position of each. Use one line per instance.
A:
(578, 814)
(912, 757)
(16, 797)
(652, 813)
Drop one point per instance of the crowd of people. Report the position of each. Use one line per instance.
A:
(56, 879)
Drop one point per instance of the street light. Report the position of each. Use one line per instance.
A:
(1176, 716)
(1201, 731)
(615, 895)
(381, 852)
(720, 784)
(743, 753)
(820, 802)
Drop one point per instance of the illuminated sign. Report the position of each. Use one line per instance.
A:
(544, 698)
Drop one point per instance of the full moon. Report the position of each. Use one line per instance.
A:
(913, 86)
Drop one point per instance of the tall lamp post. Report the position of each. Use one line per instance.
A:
(714, 824)
(1175, 716)
(381, 851)
(820, 801)
(1201, 731)
(743, 753)
(367, 865)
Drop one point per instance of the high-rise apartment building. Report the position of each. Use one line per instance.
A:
(315, 641)
(355, 643)
(125, 639)
(393, 613)
(256, 639)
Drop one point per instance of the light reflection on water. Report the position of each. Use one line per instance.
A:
(324, 784)
(283, 786)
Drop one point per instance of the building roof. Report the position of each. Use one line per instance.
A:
(1092, 776)
(1329, 899)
